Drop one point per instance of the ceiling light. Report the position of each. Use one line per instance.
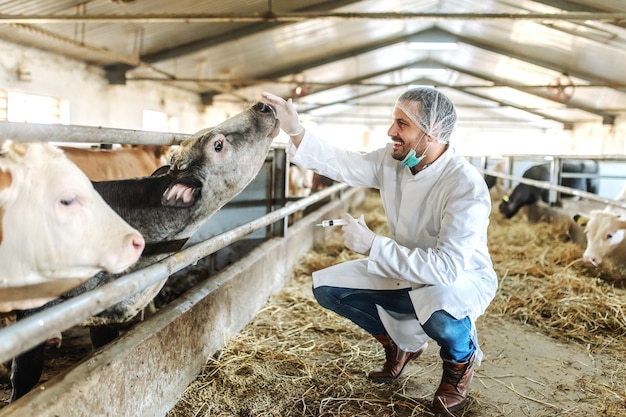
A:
(412, 86)
(434, 39)
(427, 67)
(433, 71)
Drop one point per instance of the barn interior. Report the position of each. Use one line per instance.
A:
(532, 81)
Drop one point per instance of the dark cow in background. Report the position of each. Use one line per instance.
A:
(524, 194)
(206, 172)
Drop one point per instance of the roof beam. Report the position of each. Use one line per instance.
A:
(606, 118)
(287, 17)
(538, 62)
(232, 35)
(566, 124)
(348, 53)
(570, 6)
(201, 44)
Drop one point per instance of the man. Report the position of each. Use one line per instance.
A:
(434, 277)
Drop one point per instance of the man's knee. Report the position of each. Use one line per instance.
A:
(324, 296)
(442, 326)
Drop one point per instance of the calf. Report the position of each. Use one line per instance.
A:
(524, 194)
(206, 172)
(56, 231)
(300, 181)
(320, 182)
(106, 165)
(604, 229)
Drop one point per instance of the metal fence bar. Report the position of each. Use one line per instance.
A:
(36, 132)
(559, 188)
(31, 331)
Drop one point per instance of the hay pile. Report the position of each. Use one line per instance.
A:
(543, 282)
(297, 359)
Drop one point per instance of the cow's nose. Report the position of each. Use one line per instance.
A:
(138, 242)
(592, 260)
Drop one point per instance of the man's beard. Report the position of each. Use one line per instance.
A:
(394, 154)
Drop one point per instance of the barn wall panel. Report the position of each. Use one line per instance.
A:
(143, 372)
(92, 100)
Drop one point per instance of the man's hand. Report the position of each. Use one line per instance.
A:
(285, 112)
(356, 235)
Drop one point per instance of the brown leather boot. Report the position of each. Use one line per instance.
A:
(452, 392)
(395, 360)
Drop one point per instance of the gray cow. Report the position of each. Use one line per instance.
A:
(205, 172)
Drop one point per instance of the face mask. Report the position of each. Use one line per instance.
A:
(411, 160)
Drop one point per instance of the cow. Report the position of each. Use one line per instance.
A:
(300, 181)
(605, 230)
(130, 161)
(320, 182)
(299, 185)
(524, 194)
(56, 231)
(206, 171)
(126, 162)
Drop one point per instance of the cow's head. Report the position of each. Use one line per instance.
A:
(217, 163)
(604, 231)
(506, 208)
(55, 226)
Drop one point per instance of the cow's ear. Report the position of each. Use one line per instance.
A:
(581, 220)
(160, 171)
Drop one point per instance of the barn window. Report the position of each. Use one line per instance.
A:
(31, 108)
(158, 121)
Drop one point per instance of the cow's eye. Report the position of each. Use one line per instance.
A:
(609, 236)
(218, 145)
(67, 201)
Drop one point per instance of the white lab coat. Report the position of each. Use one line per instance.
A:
(438, 220)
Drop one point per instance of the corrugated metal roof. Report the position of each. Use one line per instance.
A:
(516, 60)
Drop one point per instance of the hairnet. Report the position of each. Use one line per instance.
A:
(431, 110)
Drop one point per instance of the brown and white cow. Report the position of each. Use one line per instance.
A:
(207, 170)
(56, 231)
(117, 164)
(605, 230)
(300, 181)
(299, 185)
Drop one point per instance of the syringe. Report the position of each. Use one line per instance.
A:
(330, 223)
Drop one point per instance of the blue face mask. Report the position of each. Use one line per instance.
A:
(411, 160)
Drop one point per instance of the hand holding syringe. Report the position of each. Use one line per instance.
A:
(333, 222)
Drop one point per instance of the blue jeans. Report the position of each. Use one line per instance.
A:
(453, 336)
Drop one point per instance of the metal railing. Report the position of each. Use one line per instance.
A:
(33, 330)
(556, 175)
(29, 332)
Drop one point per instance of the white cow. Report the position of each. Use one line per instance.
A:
(604, 229)
(55, 229)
